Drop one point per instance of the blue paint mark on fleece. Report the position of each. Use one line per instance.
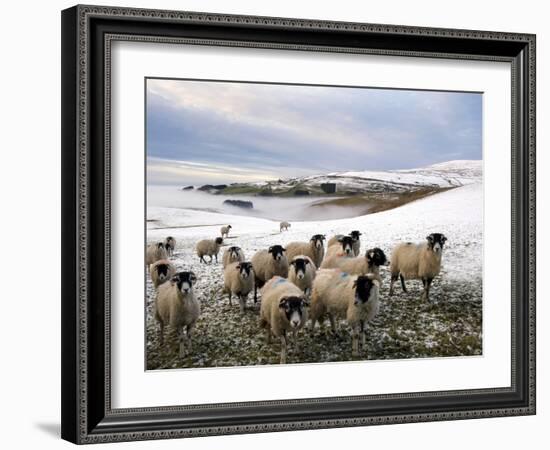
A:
(344, 275)
(280, 280)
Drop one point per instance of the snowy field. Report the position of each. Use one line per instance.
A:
(450, 325)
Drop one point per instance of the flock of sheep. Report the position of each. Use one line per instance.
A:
(298, 282)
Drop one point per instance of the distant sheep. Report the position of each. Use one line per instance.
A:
(315, 249)
(170, 245)
(340, 295)
(155, 252)
(283, 310)
(176, 305)
(238, 278)
(356, 242)
(231, 255)
(161, 271)
(225, 230)
(208, 247)
(284, 226)
(417, 262)
(361, 265)
(343, 248)
(301, 272)
(267, 264)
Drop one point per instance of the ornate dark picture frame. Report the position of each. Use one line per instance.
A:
(87, 34)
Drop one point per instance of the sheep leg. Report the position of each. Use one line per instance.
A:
(394, 277)
(161, 333)
(230, 298)
(255, 291)
(268, 331)
(242, 302)
(426, 292)
(181, 339)
(363, 334)
(313, 324)
(188, 335)
(283, 349)
(216, 258)
(403, 283)
(355, 341)
(332, 323)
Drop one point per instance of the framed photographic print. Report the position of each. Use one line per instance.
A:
(263, 216)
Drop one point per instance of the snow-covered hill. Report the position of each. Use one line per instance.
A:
(441, 175)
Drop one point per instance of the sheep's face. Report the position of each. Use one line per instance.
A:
(436, 241)
(365, 289)
(294, 309)
(300, 266)
(219, 241)
(184, 281)
(162, 272)
(317, 240)
(234, 253)
(229, 227)
(355, 235)
(347, 244)
(376, 257)
(277, 251)
(245, 269)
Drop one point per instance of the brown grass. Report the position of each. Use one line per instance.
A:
(374, 203)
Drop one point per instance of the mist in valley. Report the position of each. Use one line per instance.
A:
(274, 208)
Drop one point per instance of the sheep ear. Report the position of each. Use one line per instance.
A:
(284, 249)
(270, 250)
(283, 302)
(355, 283)
(443, 238)
(307, 261)
(238, 266)
(305, 303)
(430, 238)
(376, 283)
(192, 277)
(174, 279)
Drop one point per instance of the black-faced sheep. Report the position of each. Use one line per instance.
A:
(284, 225)
(170, 245)
(340, 295)
(209, 247)
(342, 249)
(231, 255)
(176, 305)
(301, 272)
(267, 264)
(283, 310)
(225, 230)
(356, 241)
(238, 278)
(161, 271)
(155, 252)
(417, 262)
(361, 265)
(315, 249)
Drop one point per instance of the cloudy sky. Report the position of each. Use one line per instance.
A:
(219, 132)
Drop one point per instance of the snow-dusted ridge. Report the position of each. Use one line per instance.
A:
(441, 175)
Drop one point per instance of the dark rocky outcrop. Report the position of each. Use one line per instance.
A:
(212, 187)
(239, 203)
